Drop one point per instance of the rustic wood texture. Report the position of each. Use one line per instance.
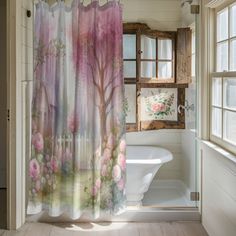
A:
(133, 27)
(110, 229)
(184, 56)
(181, 73)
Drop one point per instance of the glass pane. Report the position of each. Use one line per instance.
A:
(233, 54)
(148, 69)
(164, 70)
(230, 126)
(129, 46)
(130, 69)
(222, 56)
(230, 93)
(130, 103)
(222, 25)
(233, 21)
(217, 92)
(216, 121)
(164, 49)
(148, 47)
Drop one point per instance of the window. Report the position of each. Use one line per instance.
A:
(223, 80)
(152, 89)
(157, 58)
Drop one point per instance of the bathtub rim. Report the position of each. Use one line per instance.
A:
(159, 161)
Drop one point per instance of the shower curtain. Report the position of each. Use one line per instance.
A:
(77, 160)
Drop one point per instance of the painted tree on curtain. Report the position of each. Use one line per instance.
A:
(78, 123)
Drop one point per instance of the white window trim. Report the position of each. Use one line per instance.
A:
(212, 60)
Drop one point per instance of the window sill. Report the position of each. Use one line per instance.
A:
(223, 152)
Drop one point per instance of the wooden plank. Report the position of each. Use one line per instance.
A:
(133, 27)
(184, 56)
(149, 83)
(113, 229)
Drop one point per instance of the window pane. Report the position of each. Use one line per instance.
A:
(164, 70)
(148, 47)
(216, 121)
(233, 54)
(222, 25)
(222, 56)
(164, 49)
(230, 126)
(148, 69)
(130, 69)
(230, 93)
(130, 103)
(233, 21)
(217, 92)
(129, 46)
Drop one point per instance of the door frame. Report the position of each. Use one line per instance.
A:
(15, 147)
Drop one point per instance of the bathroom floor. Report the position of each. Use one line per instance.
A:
(110, 229)
(169, 197)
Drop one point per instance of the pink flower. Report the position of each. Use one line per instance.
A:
(122, 145)
(158, 107)
(116, 173)
(37, 141)
(54, 165)
(110, 141)
(34, 169)
(121, 184)
(106, 155)
(98, 183)
(122, 161)
(104, 170)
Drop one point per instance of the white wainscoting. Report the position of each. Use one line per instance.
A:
(218, 191)
(169, 139)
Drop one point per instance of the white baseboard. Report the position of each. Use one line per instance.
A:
(3, 181)
(139, 215)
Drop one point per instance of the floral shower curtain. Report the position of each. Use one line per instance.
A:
(77, 160)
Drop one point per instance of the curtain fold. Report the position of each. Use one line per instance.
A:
(77, 160)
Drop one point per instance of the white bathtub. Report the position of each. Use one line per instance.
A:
(143, 162)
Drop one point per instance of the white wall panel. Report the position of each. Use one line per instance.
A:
(218, 192)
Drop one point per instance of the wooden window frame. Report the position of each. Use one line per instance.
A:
(158, 35)
(140, 29)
